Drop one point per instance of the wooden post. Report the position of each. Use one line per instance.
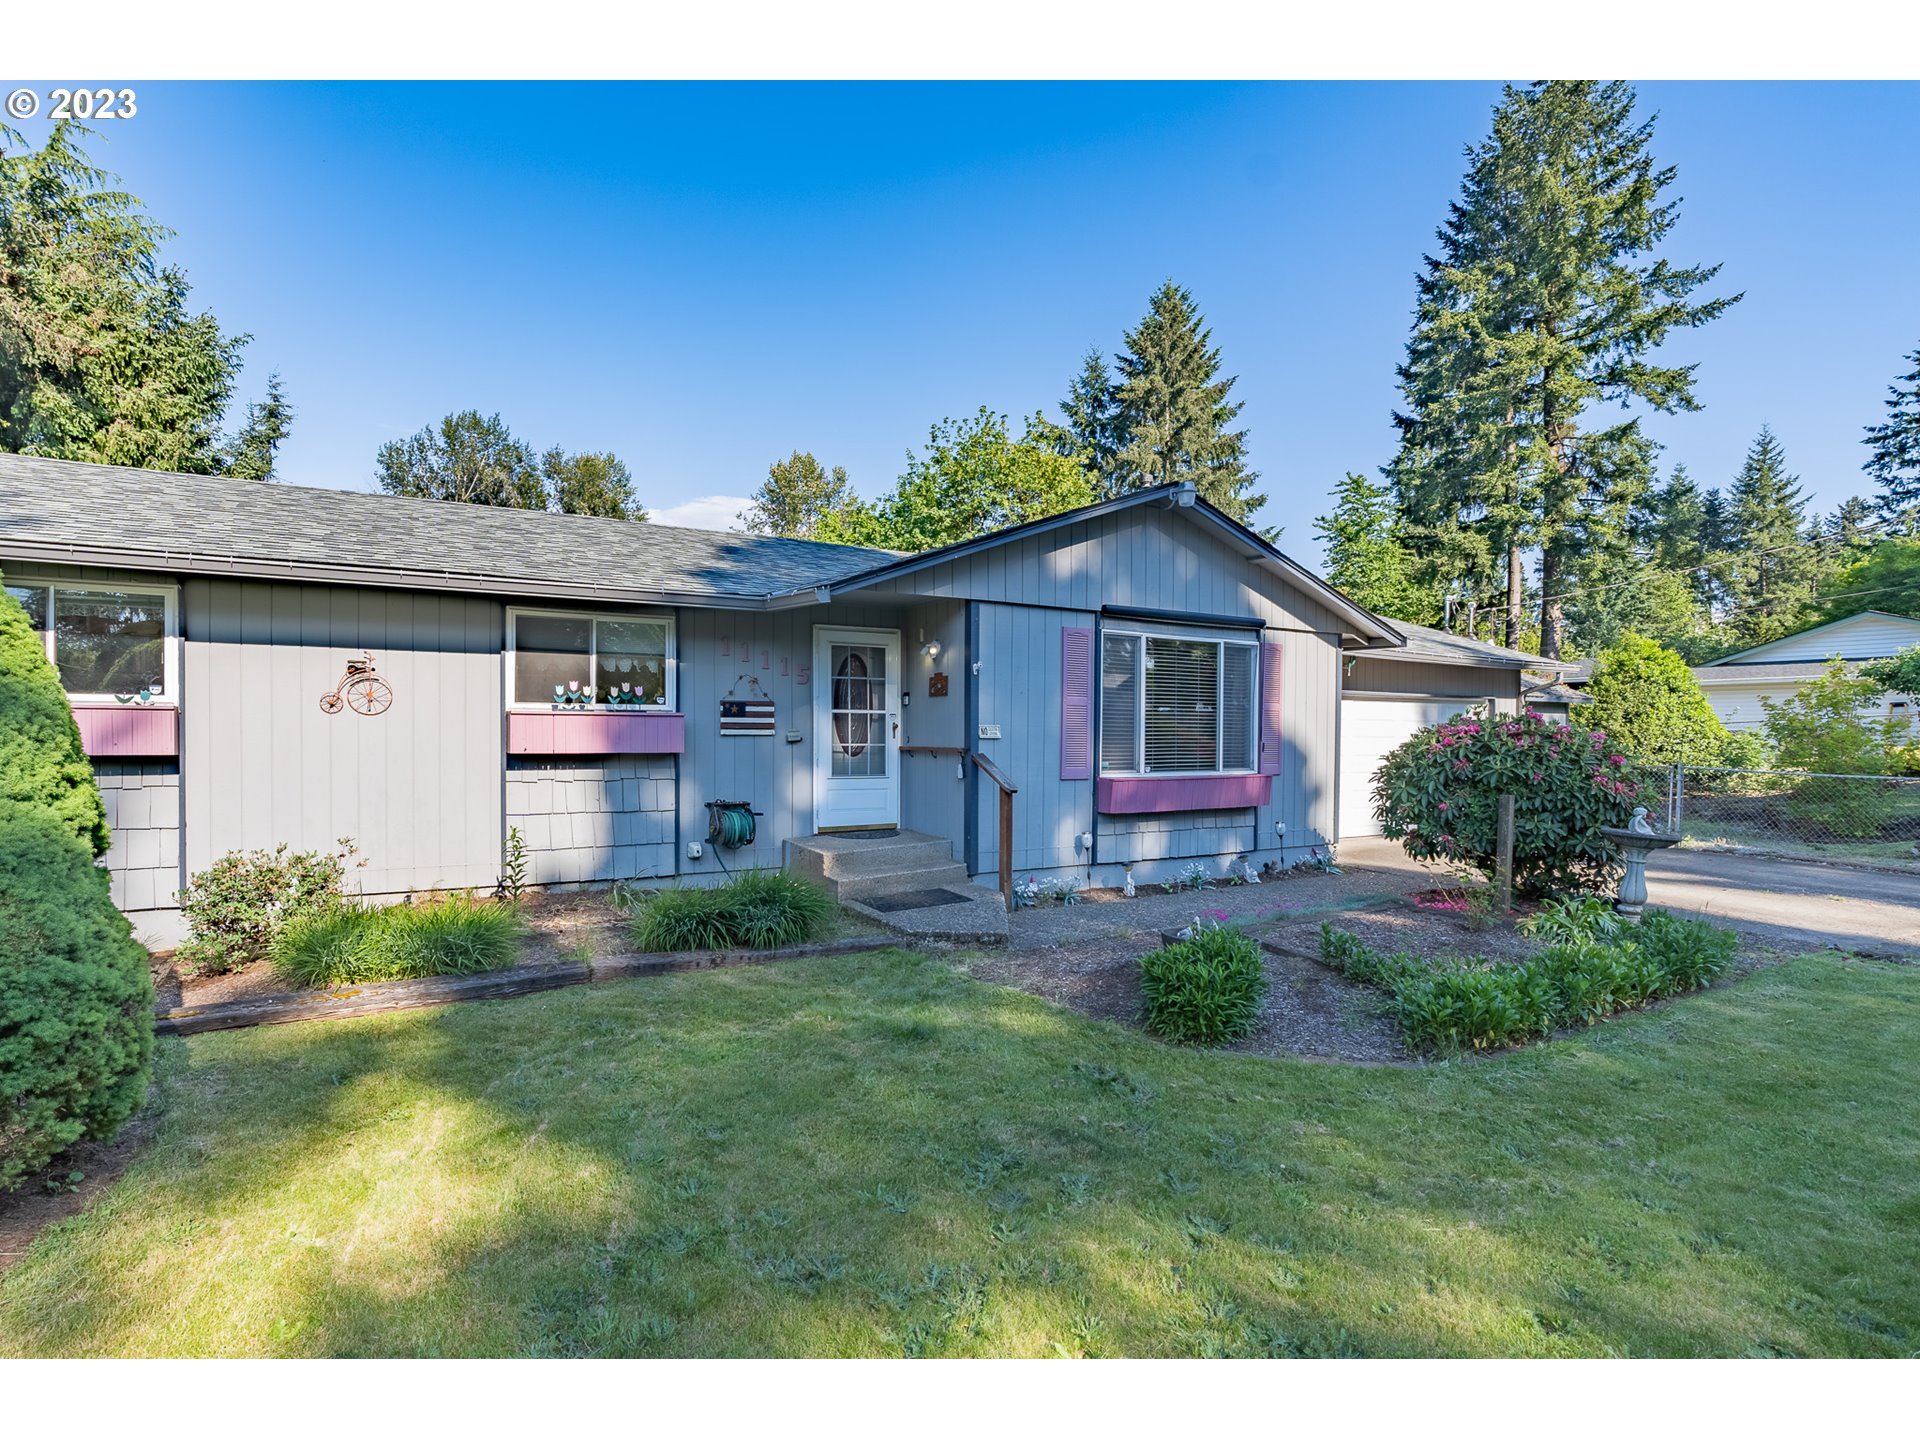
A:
(1503, 859)
(1006, 848)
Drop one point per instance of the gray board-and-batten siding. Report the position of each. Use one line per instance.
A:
(423, 789)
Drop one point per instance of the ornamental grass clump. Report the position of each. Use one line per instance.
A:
(757, 910)
(1594, 968)
(1205, 990)
(1439, 795)
(451, 935)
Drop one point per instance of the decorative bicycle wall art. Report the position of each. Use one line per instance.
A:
(360, 690)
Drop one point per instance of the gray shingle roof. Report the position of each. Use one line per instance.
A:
(103, 514)
(1744, 674)
(1437, 646)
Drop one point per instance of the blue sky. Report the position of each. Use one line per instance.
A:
(703, 278)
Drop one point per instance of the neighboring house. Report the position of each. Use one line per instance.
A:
(1735, 685)
(1386, 697)
(1158, 683)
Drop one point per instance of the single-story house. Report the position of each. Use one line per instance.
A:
(1388, 695)
(252, 664)
(1736, 684)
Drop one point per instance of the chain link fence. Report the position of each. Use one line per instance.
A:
(1791, 812)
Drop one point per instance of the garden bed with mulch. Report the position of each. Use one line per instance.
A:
(1311, 1012)
(1414, 929)
(570, 938)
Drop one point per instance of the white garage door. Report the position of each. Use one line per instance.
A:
(1369, 731)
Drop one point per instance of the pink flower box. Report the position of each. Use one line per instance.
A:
(594, 732)
(128, 731)
(1161, 794)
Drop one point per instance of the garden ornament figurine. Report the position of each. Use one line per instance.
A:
(1127, 889)
(1638, 840)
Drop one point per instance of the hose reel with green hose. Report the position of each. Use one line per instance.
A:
(730, 823)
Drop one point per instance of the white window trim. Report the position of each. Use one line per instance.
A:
(663, 617)
(1140, 716)
(168, 696)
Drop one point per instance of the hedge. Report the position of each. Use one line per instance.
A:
(76, 998)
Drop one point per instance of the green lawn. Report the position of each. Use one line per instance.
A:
(876, 1155)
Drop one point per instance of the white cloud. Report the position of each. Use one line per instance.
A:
(709, 512)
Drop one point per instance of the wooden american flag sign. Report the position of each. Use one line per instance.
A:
(746, 717)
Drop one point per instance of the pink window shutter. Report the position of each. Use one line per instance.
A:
(1076, 704)
(1270, 716)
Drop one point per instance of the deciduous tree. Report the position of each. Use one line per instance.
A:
(973, 478)
(796, 496)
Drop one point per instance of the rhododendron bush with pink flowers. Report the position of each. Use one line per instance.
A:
(1439, 794)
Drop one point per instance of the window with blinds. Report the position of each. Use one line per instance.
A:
(1175, 704)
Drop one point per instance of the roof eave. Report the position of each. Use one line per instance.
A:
(190, 562)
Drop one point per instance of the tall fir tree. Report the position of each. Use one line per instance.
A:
(1172, 416)
(796, 496)
(251, 453)
(1773, 566)
(1895, 464)
(1851, 530)
(102, 357)
(1544, 301)
(1091, 433)
(1366, 560)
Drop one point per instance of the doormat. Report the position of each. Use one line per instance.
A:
(913, 900)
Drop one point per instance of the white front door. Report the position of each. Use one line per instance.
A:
(856, 728)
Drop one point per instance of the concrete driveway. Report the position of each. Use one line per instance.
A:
(1793, 904)
(1781, 904)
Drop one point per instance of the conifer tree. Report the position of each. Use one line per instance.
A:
(102, 357)
(1895, 464)
(1172, 412)
(1366, 560)
(1773, 565)
(796, 496)
(1090, 434)
(250, 454)
(1850, 532)
(1544, 301)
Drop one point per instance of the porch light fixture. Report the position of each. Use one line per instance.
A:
(931, 649)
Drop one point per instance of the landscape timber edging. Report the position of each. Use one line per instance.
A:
(346, 1001)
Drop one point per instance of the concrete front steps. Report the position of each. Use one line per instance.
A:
(903, 880)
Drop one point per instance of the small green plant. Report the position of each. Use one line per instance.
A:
(236, 907)
(513, 867)
(1593, 968)
(1205, 990)
(1574, 918)
(451, 935)
(758, 910)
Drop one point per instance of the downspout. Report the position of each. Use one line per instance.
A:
(1093, 828)
(970, 843)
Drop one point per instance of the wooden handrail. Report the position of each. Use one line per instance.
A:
(1007, 791)
(1007, 787)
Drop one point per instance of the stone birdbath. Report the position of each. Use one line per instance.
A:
(1637, 841)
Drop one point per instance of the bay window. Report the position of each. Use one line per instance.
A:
(622, 661)
(1176, 704)
(107, 641)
